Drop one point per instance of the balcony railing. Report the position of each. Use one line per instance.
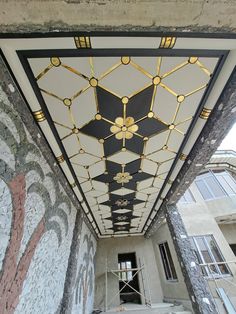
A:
(218, 278)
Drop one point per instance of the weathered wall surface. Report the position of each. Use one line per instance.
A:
(84, 15)
(37, 219)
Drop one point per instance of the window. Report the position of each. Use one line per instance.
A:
(227, 182)
(207, 251)
(125, 275)
(187, 197)
(167, 261)
(215, 184)
(233, 248)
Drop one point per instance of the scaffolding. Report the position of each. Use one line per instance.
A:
(141, 270)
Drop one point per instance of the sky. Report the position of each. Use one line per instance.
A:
(229, 141)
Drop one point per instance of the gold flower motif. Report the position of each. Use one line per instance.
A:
(122, 218)
(124, 128)
(122, 177)
(122, 202)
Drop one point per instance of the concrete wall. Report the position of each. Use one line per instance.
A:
(149, 15)
(37, 218)
(172, 290)
(108, 249)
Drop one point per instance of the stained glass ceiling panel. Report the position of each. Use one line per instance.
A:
(120, 113)
(122, 121)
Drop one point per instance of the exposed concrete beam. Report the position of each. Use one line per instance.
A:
(118, 15)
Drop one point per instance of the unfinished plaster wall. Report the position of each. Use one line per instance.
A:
(37, 218)
(172, 290)
(107, 252)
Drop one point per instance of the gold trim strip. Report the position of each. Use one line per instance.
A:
(73, 185)
(183, 157)
(178, 67)
(67, 67)
(60, 159)
(39, 116)
(205, 113)
(82, 42)
(167, 42)
(41, 74)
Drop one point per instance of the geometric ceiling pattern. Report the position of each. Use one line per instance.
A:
(120, 113)
(121, 121)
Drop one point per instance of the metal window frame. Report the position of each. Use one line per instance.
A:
(210, 274)
(210, 173)
(124, 269)
(225, 172)
(184, 201)
(172, 279)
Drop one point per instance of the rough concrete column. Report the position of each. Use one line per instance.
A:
(199, 294)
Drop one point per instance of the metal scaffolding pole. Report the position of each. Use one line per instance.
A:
(116, 273)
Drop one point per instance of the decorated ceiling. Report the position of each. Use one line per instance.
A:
(124, 115)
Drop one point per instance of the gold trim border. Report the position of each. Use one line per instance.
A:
(39, 116)
(205, 113)
(60, 159)
(82, 42)
(73, 185)
(183, 157)
(167, 42)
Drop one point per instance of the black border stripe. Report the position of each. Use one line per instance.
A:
(24, 54)
(104, 33)
(47, 53)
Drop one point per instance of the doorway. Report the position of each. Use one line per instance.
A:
(127, 261)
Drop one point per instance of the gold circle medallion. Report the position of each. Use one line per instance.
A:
(150, 114)
(125, 100)
(156, 80)
(180, 98)
(98, 116)
(192, 60)
(125, 60)
(55, 61)
(93, 82)
(75, 130)
(67, 102)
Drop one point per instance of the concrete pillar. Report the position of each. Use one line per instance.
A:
(201, 299)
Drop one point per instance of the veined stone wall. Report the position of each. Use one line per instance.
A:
(37, 221)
